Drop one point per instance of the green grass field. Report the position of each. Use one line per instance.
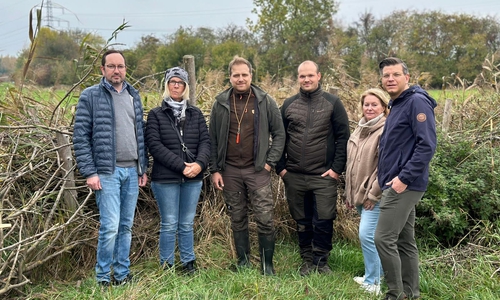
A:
(456, 94)
(440, 279)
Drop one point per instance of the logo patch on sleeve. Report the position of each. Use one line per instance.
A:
(421, 117)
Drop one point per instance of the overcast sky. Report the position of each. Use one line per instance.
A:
(160, 18)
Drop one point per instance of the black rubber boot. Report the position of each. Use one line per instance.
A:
(266, 249)
(242, 245)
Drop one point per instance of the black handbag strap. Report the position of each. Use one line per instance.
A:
(184, 147)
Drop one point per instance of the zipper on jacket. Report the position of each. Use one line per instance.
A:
(306, 133)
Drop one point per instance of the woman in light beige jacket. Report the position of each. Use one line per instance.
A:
(362, 188)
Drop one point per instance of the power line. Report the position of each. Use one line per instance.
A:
(209, 12)
(15, 3)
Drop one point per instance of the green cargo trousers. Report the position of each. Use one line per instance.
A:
(245, 191)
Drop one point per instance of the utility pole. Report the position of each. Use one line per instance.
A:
(49, 16)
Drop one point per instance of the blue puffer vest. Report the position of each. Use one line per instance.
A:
(94, 131)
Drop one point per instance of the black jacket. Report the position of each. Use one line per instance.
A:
(317, 131)
(165, 147)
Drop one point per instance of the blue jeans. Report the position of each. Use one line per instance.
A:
(177, 203)
(116, 201)
(367, 226)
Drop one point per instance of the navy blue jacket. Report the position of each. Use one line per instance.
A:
(165, 147)
(94, 131)
(409, 140)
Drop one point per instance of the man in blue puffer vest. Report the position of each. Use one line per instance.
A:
(110, 152)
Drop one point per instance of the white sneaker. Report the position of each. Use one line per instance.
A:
(371, 288)
(359, 280)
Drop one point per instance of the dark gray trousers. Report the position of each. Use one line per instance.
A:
(312, 201)
(395, 241)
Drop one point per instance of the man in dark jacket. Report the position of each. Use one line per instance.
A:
(317, 131)
(242, 121)
(406, 148)
(110, 152)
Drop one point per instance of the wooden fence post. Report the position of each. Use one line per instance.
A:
(190, 68)
(446, 115)
(67, 174)
(334, 91)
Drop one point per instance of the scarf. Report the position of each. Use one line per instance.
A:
(178, 109)
(364, 123)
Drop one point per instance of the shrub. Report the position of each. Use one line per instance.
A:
(462, 190)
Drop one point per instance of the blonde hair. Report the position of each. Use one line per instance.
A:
(380, 94)
(185, 94)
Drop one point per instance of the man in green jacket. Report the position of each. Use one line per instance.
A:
(242, 121)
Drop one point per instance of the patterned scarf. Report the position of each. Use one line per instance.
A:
(178, 108)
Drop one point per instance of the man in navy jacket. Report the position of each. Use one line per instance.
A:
(406, 148)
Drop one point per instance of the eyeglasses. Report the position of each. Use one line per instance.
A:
(173, 83)
(113, 67)
(394, 75)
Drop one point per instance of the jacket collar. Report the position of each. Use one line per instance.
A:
(111, 88)
(414, 89)
(311, 95)
(224, 96)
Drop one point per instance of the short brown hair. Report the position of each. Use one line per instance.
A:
(239, 61)
(111, 51)
(392, 61)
